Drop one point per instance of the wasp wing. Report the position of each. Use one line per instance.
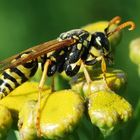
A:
(36, 51)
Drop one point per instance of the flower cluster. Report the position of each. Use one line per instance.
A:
(61, 111)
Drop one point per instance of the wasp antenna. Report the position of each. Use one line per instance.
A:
(120, 27)
(128, 23)
(131, 24)
(115, 20)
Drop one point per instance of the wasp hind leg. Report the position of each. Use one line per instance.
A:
(40, 88)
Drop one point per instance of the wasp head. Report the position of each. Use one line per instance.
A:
(100, 45)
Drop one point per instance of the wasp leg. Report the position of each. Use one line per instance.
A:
(87, 76)
(103, 67)
(40, 87)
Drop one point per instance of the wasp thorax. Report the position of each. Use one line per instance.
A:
(77, 34)
(99, 44)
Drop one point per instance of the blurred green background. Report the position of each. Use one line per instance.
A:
(29, 22)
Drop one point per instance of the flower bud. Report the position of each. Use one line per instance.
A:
(26, 122)
(116, 79)
(134, 52)
(108, 110)
(5, 122)
(61, 113)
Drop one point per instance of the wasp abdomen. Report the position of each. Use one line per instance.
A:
(15, 76)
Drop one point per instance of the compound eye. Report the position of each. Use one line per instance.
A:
(105, 44)
(95, 41)
(100, 41)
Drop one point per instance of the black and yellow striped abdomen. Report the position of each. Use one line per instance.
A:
(13, 77)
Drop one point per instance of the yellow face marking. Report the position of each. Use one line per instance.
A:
(95, 51)
(79, 46)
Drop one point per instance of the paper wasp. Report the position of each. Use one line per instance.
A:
(68, 53)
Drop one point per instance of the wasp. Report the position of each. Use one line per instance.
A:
(72, 50)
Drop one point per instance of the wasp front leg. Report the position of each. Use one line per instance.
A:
(103, 67)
